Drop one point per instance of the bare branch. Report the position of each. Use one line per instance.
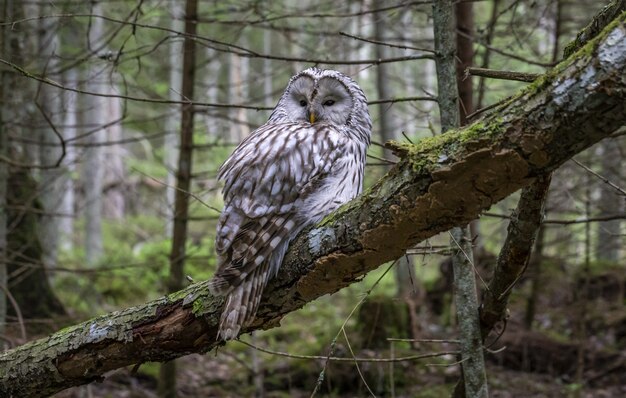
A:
(501, 74)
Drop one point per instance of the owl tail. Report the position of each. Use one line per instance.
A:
(242, 303)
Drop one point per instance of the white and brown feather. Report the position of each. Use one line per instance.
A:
(284, 176)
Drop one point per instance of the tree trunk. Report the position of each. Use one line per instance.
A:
(94, 121)
(611, 203)
(6, 11)
(171, 142)
(114, 172)
(487, 51)
(70, 121)
(167, 385)
(440, 183)
(404, 269)
(28, 280)
(50, 149)
(473, 381)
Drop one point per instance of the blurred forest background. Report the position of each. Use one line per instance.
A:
(92, 97)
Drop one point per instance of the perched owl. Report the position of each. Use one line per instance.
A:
(306, 161)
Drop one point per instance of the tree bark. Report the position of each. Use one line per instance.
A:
(28, 279)
(171, 142)
(92, 170)
(6, 11)
(404, 272)
(456, 93)
(441, 182)
(66, 221)
(50, 150)
(515, 253)
(609, 240)
(113, 168)
(167, 382)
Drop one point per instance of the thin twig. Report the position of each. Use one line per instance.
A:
(348, 359)
(18, 312)
(356, 363)
(382, 43)
(196, 197)
(424, 340)
(320, 379)
(602, 178)
(468, 258)
(381, 159)
(567, 222)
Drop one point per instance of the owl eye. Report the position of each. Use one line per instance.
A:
(329, 103)
(302, 103)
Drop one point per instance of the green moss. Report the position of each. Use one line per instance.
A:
(204, 304)
(429, 152)
(198, 307)
(177, 296)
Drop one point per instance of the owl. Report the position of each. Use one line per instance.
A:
(306, 161)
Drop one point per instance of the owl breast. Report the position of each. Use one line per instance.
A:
(343, 183)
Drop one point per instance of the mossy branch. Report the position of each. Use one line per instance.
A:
(441, 182)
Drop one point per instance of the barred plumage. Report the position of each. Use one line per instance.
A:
(306, 161)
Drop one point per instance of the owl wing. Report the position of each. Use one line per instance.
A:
(265, 179)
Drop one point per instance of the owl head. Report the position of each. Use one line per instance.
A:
(324, 96)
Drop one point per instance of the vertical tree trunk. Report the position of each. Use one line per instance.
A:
(171, 142)
(474, 383)
(465, 57)
(114, 172)
(267, 69)
(167, 386)
(6, 10)
(404, 270)
(50, 150)
(487, 51)
(24, 274)
(582, 297)
(536, 263)
(94, 120)
(70, 121)
(610, 203)
(238, 87)
(28, 281)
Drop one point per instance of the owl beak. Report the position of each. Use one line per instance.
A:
(311, 116)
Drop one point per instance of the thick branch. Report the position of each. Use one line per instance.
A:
(441, 182)
(515, 254)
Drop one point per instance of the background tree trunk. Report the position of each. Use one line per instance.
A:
(473, 381)
(609, 237)
(93, 121)
(5, 114)
(172, 123)
(114, 171)
(167, 381)
(70, 122)
(50, 150)
(28, 280)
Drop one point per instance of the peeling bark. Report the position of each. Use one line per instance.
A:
(441, 182)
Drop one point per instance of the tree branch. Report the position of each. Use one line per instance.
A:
(441, 182)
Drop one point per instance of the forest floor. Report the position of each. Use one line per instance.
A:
(206, 376)
(544, 362)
